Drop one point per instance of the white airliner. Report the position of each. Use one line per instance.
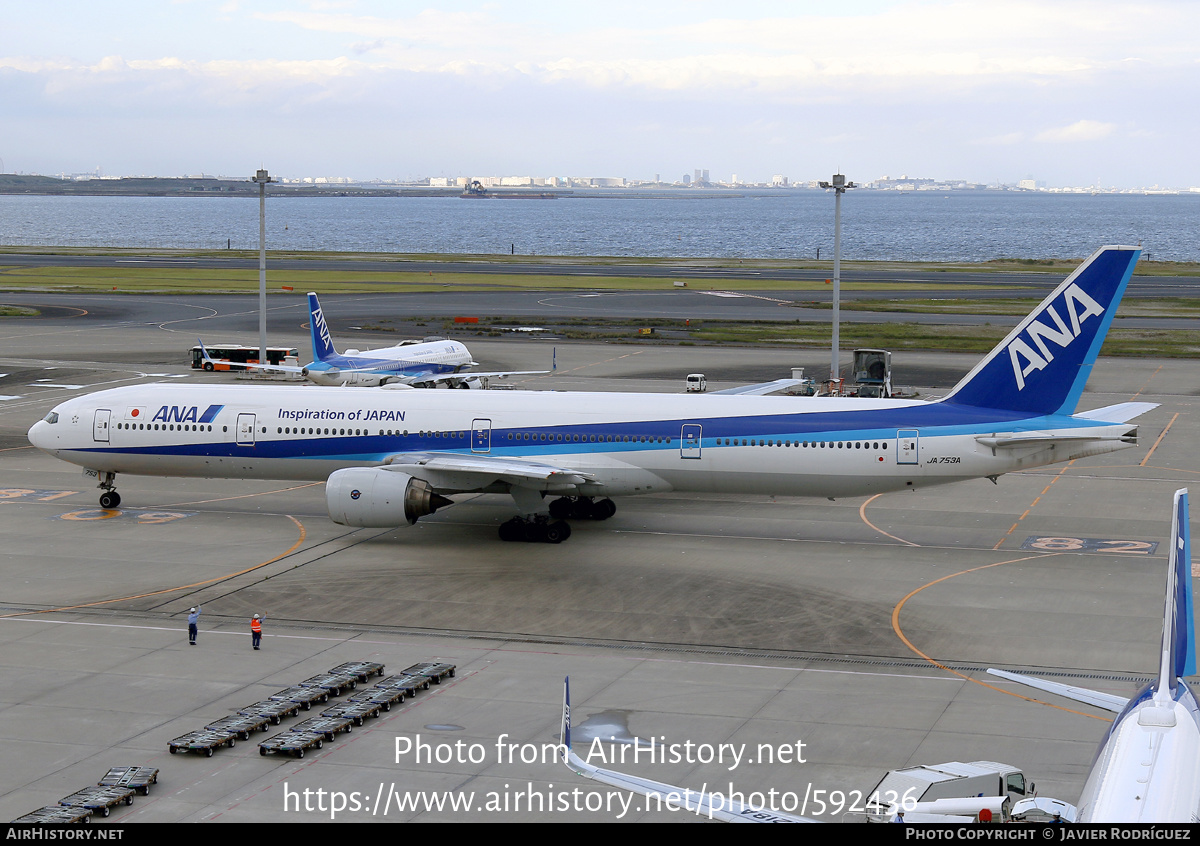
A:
(391, 457)
(419, 364)
(1147, 769)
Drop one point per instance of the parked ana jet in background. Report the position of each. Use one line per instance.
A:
(1147, 769)
(419, 364)
(391, 457)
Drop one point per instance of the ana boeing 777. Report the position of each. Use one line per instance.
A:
(391, 457)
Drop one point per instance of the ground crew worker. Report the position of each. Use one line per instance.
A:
(193, 619)
(256, 630)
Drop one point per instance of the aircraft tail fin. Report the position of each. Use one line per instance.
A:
(204, 356)
(566, 719)
(1043, 364)
(1179, 625)
(322, 344)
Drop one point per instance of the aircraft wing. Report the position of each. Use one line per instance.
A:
(486, 469)
(1107, 701)
(713, 806)
(759, 388)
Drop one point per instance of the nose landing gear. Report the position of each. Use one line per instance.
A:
(110, 498)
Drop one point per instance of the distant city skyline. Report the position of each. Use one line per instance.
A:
(1070, 94)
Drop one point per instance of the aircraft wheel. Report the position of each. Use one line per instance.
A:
(512, 530)
(557, 532)
(110, 499)
(603, 509)
(561, 508)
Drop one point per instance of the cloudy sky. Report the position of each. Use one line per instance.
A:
(1069, 92)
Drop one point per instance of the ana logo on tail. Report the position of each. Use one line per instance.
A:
(1078, 306)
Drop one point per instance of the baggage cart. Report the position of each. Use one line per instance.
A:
(137, 778)
(292, 743)
(204, 741)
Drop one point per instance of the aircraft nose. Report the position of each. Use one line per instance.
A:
(38, 434)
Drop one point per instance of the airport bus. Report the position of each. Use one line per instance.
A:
(235, 356)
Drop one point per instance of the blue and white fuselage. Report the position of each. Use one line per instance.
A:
(378, 447)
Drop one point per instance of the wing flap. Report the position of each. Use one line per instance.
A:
(513, 471)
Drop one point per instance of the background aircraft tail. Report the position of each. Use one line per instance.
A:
(1043, 364)
(322, 344)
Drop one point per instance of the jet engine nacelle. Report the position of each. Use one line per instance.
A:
(362, 380)
(372, 497)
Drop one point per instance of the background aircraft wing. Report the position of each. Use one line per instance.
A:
(713, 806)
(1107, 701)
(760, 388)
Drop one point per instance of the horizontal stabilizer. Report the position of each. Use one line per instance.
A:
(1122, 412)
(1107, 701)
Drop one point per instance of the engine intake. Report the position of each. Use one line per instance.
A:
(371, 497)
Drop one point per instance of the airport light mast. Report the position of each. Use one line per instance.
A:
(839, 186)
(262, 178)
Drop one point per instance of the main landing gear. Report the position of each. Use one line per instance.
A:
(110, 498)
(554, 529)
(582, 508)
(537, 529)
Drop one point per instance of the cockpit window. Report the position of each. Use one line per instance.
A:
(52, 417)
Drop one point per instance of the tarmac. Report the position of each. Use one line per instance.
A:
(826, 642)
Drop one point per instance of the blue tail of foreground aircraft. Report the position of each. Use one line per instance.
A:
(1043, 364)
(1147, 769)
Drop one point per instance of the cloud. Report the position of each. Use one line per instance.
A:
(1081, 130)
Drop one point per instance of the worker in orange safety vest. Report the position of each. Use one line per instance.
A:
(256, 629)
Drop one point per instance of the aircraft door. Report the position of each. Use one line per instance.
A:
(100, 425)
(481, 435)
(689, 440)
(245, 429)
(908, 446)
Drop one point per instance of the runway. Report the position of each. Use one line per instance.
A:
(860, 628)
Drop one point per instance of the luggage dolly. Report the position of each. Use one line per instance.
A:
(98, 799)
(384, 697)
(326, 726)
(241, 725)
(56, 814)
(292, 742)
(304, 696)
(204, 740)
(137, 778)
(273, 709)
(335, 683)
(357, 711)
(409, 684)
(434, 672)
(363, 669)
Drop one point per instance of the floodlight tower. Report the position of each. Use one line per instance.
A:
(262, 178)
(839, 186)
